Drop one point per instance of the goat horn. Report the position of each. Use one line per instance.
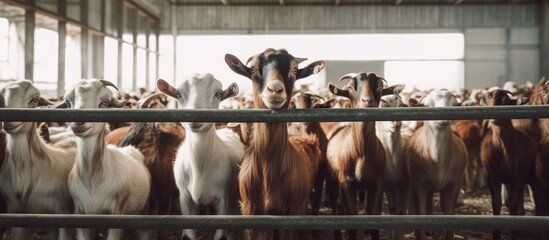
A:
(383, 79)
(543, 79)
(348, 75)
(62, 104)
(107, 83)
(44, 102)
(147, 101)
(117, 103)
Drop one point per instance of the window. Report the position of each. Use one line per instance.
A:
(166, 64)
(4, 40)
(73, 57)
(45, 58)
(141, 71)
(127, 67)
(111, 59)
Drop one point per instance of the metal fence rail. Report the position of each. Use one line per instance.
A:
(530, 223)
(481, 222)
(261, 115)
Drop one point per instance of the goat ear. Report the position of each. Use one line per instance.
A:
(328, 104)
(115, 103)
(310, 69)
(395, 89)
(291, 105)
(338, 91)
(231, 91)
(63, 104)
(167, 89)
(412, 102)
(237, 66)
(44, 102)
(469, 102)
(521, 101)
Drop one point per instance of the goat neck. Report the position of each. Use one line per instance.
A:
(270, 139)
(91, 153)
(26, 145)
(437, 140)
(501, 131)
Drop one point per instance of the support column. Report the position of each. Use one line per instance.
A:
(147, 53)
(544, 38)
(62, 34)
(119, 16)
(84, 40)
(30, 21)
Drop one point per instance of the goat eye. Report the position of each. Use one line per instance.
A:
(253, 70)
(105, 102)
(34, 100)
(294, 71)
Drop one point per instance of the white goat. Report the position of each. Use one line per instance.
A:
(105, 179)
(207, 161)
(33, 177)
(395, 181)
(435, 160)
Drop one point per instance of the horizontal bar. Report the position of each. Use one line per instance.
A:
(264, 115)
(485, 222)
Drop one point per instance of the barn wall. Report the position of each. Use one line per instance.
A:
(502, 42)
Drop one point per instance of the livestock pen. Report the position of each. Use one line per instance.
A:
(478, 222)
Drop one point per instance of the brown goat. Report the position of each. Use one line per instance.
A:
(158, 142)
(540, 96)
(307, 101)
(469, 132)
(509, 155)
(356, 157)
(3, 206)
(277, 172)
(435, 159)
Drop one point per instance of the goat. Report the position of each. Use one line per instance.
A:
(540, 95)
(207, 161)
(306, 100)
(33, 174)
(469, 132)
(435, 159)
(272, 153)
(395, 181)
(158, 142)
(509, 156)
(243, 130)
(356, 157)
(105, 179)
(3, 207)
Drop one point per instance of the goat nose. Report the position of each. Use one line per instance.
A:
(367, 100)
(78, 123)
(274, 89)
